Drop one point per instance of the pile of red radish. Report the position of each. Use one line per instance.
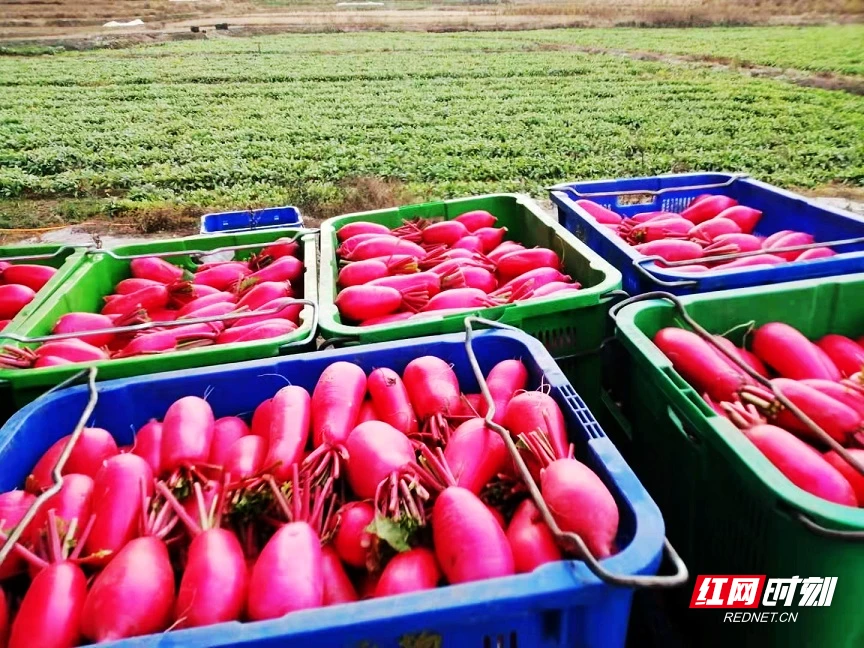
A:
(265, 286)
(823, 379)
(19, 284)
(428, 268)
(710, 226)
(370, 486)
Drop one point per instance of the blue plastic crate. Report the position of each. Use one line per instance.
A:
(560, 604)
(781, 210)
(253, 219)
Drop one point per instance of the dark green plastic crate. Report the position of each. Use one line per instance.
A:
(65, 258)
(96, 277)
(728, 509)
(566, 324)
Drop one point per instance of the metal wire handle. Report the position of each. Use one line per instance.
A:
(149, 325)
(56, 477)
(823, 436)
(564, 538)
(659, 192)
(199, 253)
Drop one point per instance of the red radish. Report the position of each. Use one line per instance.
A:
(554, 288)
(411, 571)
(472, 406)
(757, 260)
(846, 355)
(73, 501)
(264, 293)
(337, 586)
(409, 283)
(708, 230)
(536, 410)
(213, 310)
(470, 277)
(51, 361)
(816, 253)
(148, 445)
(655, 230)
(160, 315)
(261, 419)
(246, 457)
(789, 240)
(30, 275)
(791, 354)
(504, 380)
(367, 412)
(360, 303)
(285, 308)
(469, 543)
(187, 432)
(361, 272)
(360, 227)
(600, 213)
(13, 506)
(386, 319)
(80, 322)
(750, 359)
(627, 223)
(336, 402)
(226, 431)
(499, 517)
(530, 539)
(262, 330)
(517, 263)
(284, 269)
(849, 396)
(801, 464)
(13, 298)
(699, 364)
(831, 415)
(133, 595)
(4, 323)
(448, 266)
(490, 237)
(206, 300)
(281, 247)
(72, 349)
(156, 269)
(504, 248)
(117, 489)
(193, 291)
(855, 478)
(743, 243)
(472, 243)
(290, 417)
(433, 389)
(445, 232)
(707, 208)
(769, 241)
(349, 245)
(459, 298)
(474, 220)
(93, 447)
(535, 278)
(133, 284)
(351, 540)
(382, 246)
(391, 401)
(191, 335)
(475, 454)
(51, 611)
(377, 451)
(671, 250)
(745, 217)
(150, 298)
(4, 606)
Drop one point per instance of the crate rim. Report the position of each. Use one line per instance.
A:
(328, 289)
(554, 579)
(724, 432)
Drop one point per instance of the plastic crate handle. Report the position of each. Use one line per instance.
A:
(564, 538)
(12, 538)
(658, 192)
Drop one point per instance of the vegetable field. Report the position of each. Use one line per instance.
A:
(299, 118)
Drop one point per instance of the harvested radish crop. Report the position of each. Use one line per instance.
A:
(822, 378)
(427, 268)
(365, 486)
(710, 226)
(257, 294)
(19, 284)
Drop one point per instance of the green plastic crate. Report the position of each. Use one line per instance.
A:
(96, 277)
(728, 509)
(566, 324)
(65, 258)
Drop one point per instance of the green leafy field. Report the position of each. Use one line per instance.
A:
(287, 119)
